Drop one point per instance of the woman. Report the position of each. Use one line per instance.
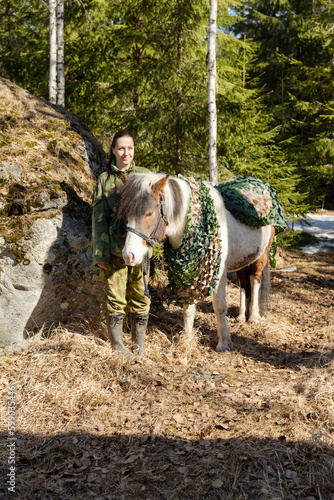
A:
(124, 286)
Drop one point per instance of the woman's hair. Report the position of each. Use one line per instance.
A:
(118, 135)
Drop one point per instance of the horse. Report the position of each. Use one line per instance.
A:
(155, 207)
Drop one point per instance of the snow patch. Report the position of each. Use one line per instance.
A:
(321, 226)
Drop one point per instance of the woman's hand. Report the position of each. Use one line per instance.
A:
(103, 266)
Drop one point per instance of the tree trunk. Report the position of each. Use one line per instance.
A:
(60, 54)
(179, 123)
(212, 150)
(53, 51)
(138, 54)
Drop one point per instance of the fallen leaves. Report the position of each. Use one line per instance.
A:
(237, 423)
(179, 418)
(217, 483)
(131, 459)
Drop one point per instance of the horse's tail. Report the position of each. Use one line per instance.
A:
(264, 296)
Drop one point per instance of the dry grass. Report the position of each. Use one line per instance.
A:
(184, 422)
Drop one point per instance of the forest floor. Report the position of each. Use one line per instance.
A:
(183, 423)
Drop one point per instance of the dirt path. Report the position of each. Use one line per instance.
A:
(186, 422)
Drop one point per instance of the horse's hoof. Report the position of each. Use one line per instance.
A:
(242, 319)
(254, 319)
(224, 347)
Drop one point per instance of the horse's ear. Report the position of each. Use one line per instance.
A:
(159, 186)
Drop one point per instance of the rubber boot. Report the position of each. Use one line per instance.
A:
(138, 331)
(115, 334)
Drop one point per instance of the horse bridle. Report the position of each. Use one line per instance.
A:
(162, 216)
(150, 240)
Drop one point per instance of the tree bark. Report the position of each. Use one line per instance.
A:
(212, 110)
(138, 54)
(179, 121)
(53, 51)
(60, 54)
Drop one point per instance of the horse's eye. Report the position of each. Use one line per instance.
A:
(149, 213)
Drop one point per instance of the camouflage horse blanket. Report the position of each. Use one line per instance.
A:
(253, 202)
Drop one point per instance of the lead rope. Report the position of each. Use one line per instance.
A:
(146, 267)
(150, 240)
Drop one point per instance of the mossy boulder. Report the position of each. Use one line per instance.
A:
(49, 162)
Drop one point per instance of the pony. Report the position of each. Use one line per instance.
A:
(155, 207)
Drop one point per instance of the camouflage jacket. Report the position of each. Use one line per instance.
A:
(108, 232)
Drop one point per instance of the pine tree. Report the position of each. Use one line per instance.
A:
(168, 114)
(142, 65)
(247, 138)
(24, 44)
(294, 64)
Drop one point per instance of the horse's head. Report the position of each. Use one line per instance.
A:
(142, 205)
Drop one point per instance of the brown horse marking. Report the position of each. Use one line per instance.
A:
(142, 203)
(243, 276)
(159, 186)
(257, 267)
(255, 270)
(177, 196)
(248, 258)
(260, 264)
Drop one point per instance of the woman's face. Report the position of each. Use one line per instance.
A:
(124, 151)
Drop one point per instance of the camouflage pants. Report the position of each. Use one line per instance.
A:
(124, 288)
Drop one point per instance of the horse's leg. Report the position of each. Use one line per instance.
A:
(188, 317)
(220, 308)
(254, 309)
(255, 281)
(245, 292)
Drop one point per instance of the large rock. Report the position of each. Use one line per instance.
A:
(49, 162)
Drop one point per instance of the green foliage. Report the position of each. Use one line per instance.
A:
(294, 64)
(141, 65)
(24, 41)
(249, 140)
(296, 239)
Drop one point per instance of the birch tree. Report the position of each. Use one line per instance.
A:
(56, 71)
(212, 150)
(60, 54)
(179, 124)
(53, 51)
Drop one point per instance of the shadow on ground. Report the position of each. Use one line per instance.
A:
(170, 323)
(83, 466)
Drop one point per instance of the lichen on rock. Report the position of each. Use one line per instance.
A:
(49, 162)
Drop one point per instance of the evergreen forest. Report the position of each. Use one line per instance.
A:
(142, 65)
